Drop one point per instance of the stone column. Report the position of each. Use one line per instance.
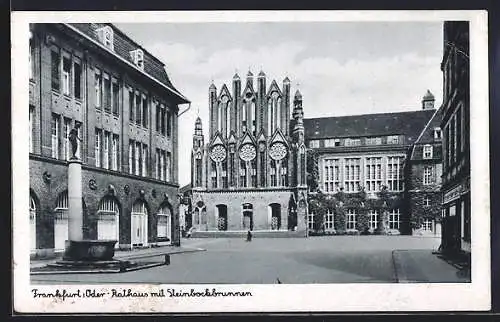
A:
(75, 211)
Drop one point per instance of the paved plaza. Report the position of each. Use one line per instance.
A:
(329, 259)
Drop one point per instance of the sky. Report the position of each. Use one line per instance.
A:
(341, 68)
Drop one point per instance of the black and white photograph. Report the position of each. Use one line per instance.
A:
(215, 161)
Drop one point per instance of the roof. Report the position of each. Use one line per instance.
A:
(123, 45)
(427, 134)
(408, 123)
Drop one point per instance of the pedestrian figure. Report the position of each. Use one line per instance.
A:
(73, 139)
(249, 236)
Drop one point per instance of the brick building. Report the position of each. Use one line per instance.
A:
(456, 142)
(250, 175)
(363, 167)
(424, 178)
(94, 75)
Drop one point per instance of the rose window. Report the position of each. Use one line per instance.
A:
(247, 152)
(218, 153)
(277, 151)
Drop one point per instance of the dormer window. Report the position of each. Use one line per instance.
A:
(437, 134)
(106, 37)
(138, 58)
(427, 151)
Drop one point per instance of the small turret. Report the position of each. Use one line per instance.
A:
(428, 101)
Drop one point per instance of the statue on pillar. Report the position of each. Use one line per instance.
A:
(73, 139)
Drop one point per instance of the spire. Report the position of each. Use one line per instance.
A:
(298, 96)
(198, 128)
(262, 74)
(236, 76)
(286, 81)
(212, 86)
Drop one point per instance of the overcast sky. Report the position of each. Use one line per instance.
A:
(341, 68)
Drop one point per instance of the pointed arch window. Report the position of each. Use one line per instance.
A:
(219, 117)
(213, 174)
(228, 119)
(253, 110)
(243, 173)
(274, 182)
(244, 117)
(284, 172)
(274, 112)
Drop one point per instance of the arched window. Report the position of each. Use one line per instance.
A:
(244, 116)
(32, 223)
(274, 182)
(253, 110)
(108, 220)
(277, 106)
(219, 117)
(284, 172)
(228, 120)
(164, 221)
(61, 221)
(139, 224)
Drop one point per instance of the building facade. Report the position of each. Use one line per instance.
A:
(363, 164)
(456, 141)
(93, 75)
(250, 175)
(424, 178)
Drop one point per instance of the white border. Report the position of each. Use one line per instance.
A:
(266, 298)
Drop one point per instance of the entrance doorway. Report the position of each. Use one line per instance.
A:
(221, 217)
(139, 224)
(275, 214)
(247, 216)
(108, 222)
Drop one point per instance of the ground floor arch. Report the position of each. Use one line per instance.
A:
(247, 216)
(164, 223)
(33, 218)
(139, 224)
(108, 220)
(61, 222)
(274, 215)
(221, 217)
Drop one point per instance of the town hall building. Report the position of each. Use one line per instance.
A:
(250, 174)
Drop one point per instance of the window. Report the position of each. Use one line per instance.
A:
(427, 151)
(329, 220)
(253, 173)
(284, 173)
(394, 173)
(66, 145)
(219, 117)
(351, 174)
(160, 118)
(427, 175)
(144, 160)
(331, 175)
(331, 142)
(169, 167)
(116, 98)
(273, 174)
(98, 139)
(314, 143)
(138, 163)
(131, 106)
(213, 174)
(394, 219)
(373, 141)
(352, 142)
(97, 86)
(350, 219)
(392, 139)
(115, 156)
(373, 174)
(274, 106)
(224, 174)
(427, 225)
(31, 122)
(55, 124)
(106, 36)
(262, 165)
(31, 56)
(253, 117)
(243, 174)
(427, 201)
(169, 123)
(138, 109)
(145, 112)
(77, 79)
(228, 119)
(55, 70)
(138, 58)
(310, 220)
(107, 93)
(131, 157)
(66, 79)
(160, 164)
(373, 219)
(437, 134)
(105, 154)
